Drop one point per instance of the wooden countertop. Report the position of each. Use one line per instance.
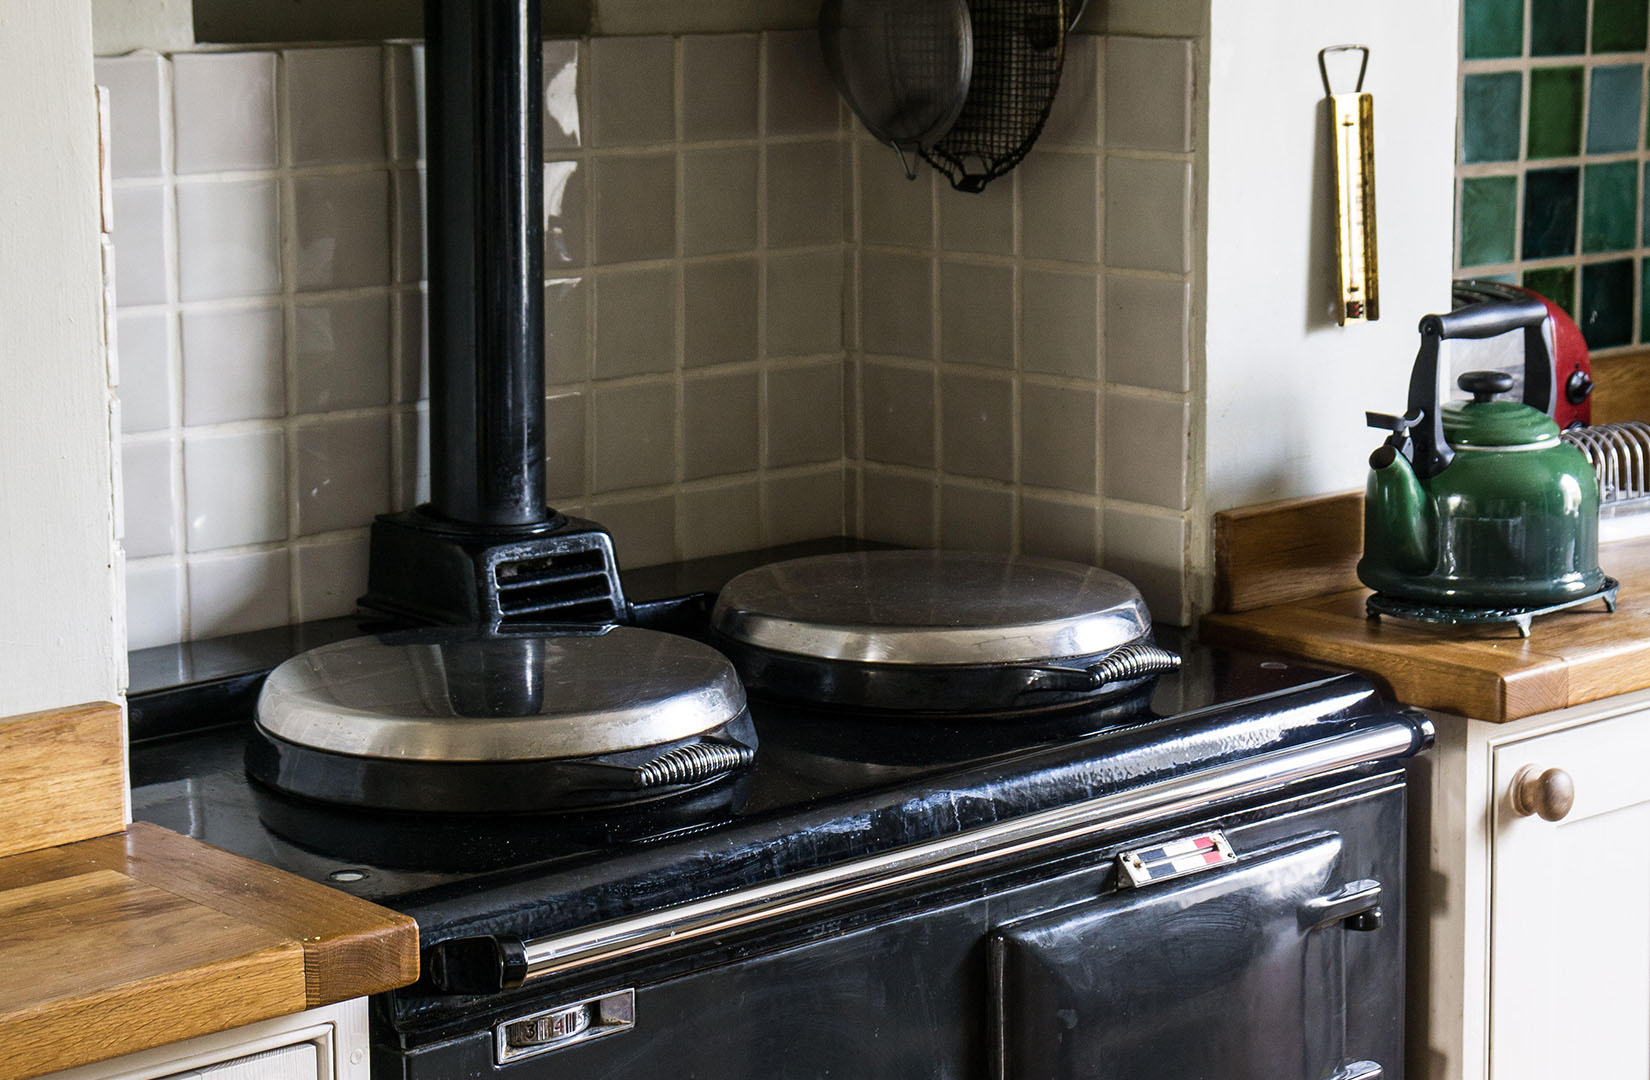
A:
(1488, 673)
(146, 937)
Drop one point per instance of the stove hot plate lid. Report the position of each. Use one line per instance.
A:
(445, 696)
(931, 608)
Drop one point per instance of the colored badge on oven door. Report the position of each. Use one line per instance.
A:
(1177, 858)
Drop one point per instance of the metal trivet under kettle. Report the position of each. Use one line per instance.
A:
(1477, 512)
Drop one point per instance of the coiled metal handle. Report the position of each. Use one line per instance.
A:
(692, 763)
(1132, 662)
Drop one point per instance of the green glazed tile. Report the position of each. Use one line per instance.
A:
(1644, 238)
(1551, 198)
(1489, 116)
(1493, 28)
(1609, 206)
(1558, 27)
(1556, 283)
(1618, 25)
(1607, 303)
(1644, 297)
(1555, 112)
(1489, 219)
(1613, 108)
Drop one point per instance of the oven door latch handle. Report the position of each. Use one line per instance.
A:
(1355, 905)
(476, 965)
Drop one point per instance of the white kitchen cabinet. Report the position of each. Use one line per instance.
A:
(1531, 950)
(328, 1043)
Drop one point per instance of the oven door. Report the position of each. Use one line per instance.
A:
(1237, 972)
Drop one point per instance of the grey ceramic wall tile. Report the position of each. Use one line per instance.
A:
(976, 519)
(899, 509)
(1149, 93)
(331, 574)
(804, 414)
(899, 415)
(412, 475)
(1148, 223)
(145, 370)
(412, 365)
(714, 521)
(148, 476)
(898, 298)
(981, 223)
(644, 530)
(720, 430)
(1058, 530)
(1074, 119)
(343, 472)
(798, 96)
(135, 104)
(406, 101)
(228, 239)
(1147, 332)
(234, 489)
(1058, 448)
(1059, 207)
(234, 364)
(564, 216)
(224, 105)
(1058, 333)
(719, 302)
(141, 226)
(893, 209)
(564, 445)
(719, 87)
(635, 436)
(408, 191)
(977, 426)
(1149, 550)
(154, 604)
(635, 322)
(977, 314)
(804, 185)
(342, 351)
(802, 507)
(335, 105)
(804, 304)
(719, 200)
(632, 91)
(1146, 449)
(563, 128)
(342, 230)
(566, 351)
(233, 594)
(635, 207)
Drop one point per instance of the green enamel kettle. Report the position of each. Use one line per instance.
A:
(1479, 504)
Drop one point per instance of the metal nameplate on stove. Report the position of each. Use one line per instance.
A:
(564, 1025)
(1177, 858)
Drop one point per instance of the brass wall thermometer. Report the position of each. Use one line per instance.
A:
(1352, 137)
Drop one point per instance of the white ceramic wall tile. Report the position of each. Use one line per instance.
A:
(406, 101)
(231, 594)
(1145, 452)
(894, 209)
(977, 314)
(977, 426)
(981, 223)
(804, 414)
(407, 192)
(342, 351)
(719, 425)
(566, 352)
(154, 603)
(413, 363)
(804, 304)
(899, 509)
(976, 519)
(632, 90)
(635, 322)
(1058, 333)
(224, 105)
(1149, 550)
(1058, 530)
(799, 97)
(1074, 118)
(719, 200)
(562, 127)
(1149, 93)
(342, 228)
(150, 496)
(1148, 223)
(135, 103)
(141, 227)
(413, 475)
(898, 296)
(899, 415)
(332, 575)
(713, 521)
(719, 312)
(145, 370)
(233, 364)
(564, 227)
(1148, 324)
(335, 105)
(802, 507)
(1059, 207)
(635, 436)
(644, 530)
(719, 92)
(228, 239)
(1058, 448)
(234, 489)
(343, 472)
(804, 183)
(635, 207)
(564, 445)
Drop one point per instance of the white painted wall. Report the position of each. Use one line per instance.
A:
(1286, 388)
(60, 639)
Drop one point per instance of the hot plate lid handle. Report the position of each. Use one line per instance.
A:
(476, 965)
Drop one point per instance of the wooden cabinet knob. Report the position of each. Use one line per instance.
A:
(1549, 794)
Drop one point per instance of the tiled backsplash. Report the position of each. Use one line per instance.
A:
(1552, 156)
(1014, 375)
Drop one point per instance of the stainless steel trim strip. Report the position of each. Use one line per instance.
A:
(557, 953)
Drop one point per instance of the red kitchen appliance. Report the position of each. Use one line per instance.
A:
(1568, 391)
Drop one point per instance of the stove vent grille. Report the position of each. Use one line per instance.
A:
(576, 584)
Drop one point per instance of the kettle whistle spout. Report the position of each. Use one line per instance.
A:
(1398, 516)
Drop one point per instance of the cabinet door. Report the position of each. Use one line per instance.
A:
(1569, 977)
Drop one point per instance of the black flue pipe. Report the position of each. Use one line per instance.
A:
(484, 236)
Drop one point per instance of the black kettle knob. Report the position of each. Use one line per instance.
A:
(1484, 385)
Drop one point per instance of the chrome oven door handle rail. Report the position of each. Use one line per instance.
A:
(554, 954)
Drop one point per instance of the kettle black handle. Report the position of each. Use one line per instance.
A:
(1490, 318)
